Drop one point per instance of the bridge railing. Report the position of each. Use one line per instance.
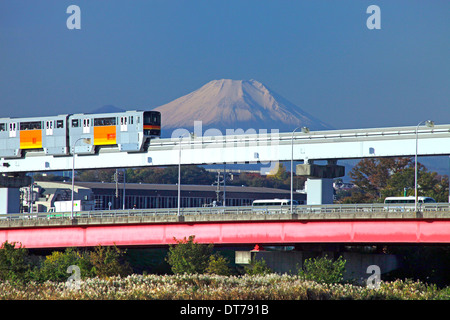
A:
(310, 210)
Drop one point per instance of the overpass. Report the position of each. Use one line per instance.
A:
(330, 224)
(249, 147)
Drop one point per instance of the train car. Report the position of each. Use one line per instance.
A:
(62, 135)
(44, 134)
(130, 131)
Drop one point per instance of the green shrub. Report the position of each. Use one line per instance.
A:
(14, 262)
(109, 261)
(188, 256)
(54, 267)
(218, 265)
(323, 270)
(257, 267)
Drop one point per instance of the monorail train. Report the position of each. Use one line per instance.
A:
(82, 133)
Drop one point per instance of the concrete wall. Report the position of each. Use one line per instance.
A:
(291, 261)
(319, 191)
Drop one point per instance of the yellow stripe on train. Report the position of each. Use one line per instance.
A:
(105, 135)
(31, 139)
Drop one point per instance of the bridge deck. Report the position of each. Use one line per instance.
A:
(229, 229)
(141, 217)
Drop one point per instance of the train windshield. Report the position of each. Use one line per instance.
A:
(152, 118)
(152, 123)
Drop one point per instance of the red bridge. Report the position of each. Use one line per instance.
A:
(222, 229)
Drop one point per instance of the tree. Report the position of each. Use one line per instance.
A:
(323, 270)
(257, 267)
(429, 184)
(54, 267)
(372, 175)
(105, 175)
(14, 262)
(218, 265)
(188, 256)
(109, 261)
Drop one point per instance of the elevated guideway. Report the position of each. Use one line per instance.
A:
(266, 148)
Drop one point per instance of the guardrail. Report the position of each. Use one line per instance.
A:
(306, 210)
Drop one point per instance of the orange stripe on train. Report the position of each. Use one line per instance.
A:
(31, 139)
(105, 135)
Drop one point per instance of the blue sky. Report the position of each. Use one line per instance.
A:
(141, 54)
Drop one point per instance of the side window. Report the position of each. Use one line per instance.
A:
(60, 124)
(2, 126)
(75, 123)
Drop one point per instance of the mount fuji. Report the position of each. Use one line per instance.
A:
(235, 104)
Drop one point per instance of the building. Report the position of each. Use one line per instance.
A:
(45, 196)
(105, 196)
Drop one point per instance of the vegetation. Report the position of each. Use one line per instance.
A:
(106, 275)
(323, 270)
(17, 266)
(383, 177)
(187, 256)
(14, 263)
(258, 268)
(215, 287)
(190, 174)
(54, 267)
(109, 261)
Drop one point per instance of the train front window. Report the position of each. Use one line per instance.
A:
(152, 118)
(152, 123)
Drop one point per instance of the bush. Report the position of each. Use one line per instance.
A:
(257, 268)
(14, 262)
(54, 267)
(109, 261)
(218, 265)
(188, 256)
(323, 270)
(102, 262)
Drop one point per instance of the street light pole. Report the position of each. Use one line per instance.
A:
(85, 140)
(429, 124)
(304, 130)
(179, 178)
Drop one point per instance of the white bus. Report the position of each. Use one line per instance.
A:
(405, 203)
(408, 200)
(274, 202)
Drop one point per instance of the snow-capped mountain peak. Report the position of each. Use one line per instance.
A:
(232, 104)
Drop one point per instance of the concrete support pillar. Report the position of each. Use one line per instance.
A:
(319, 191)
(319, 185)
